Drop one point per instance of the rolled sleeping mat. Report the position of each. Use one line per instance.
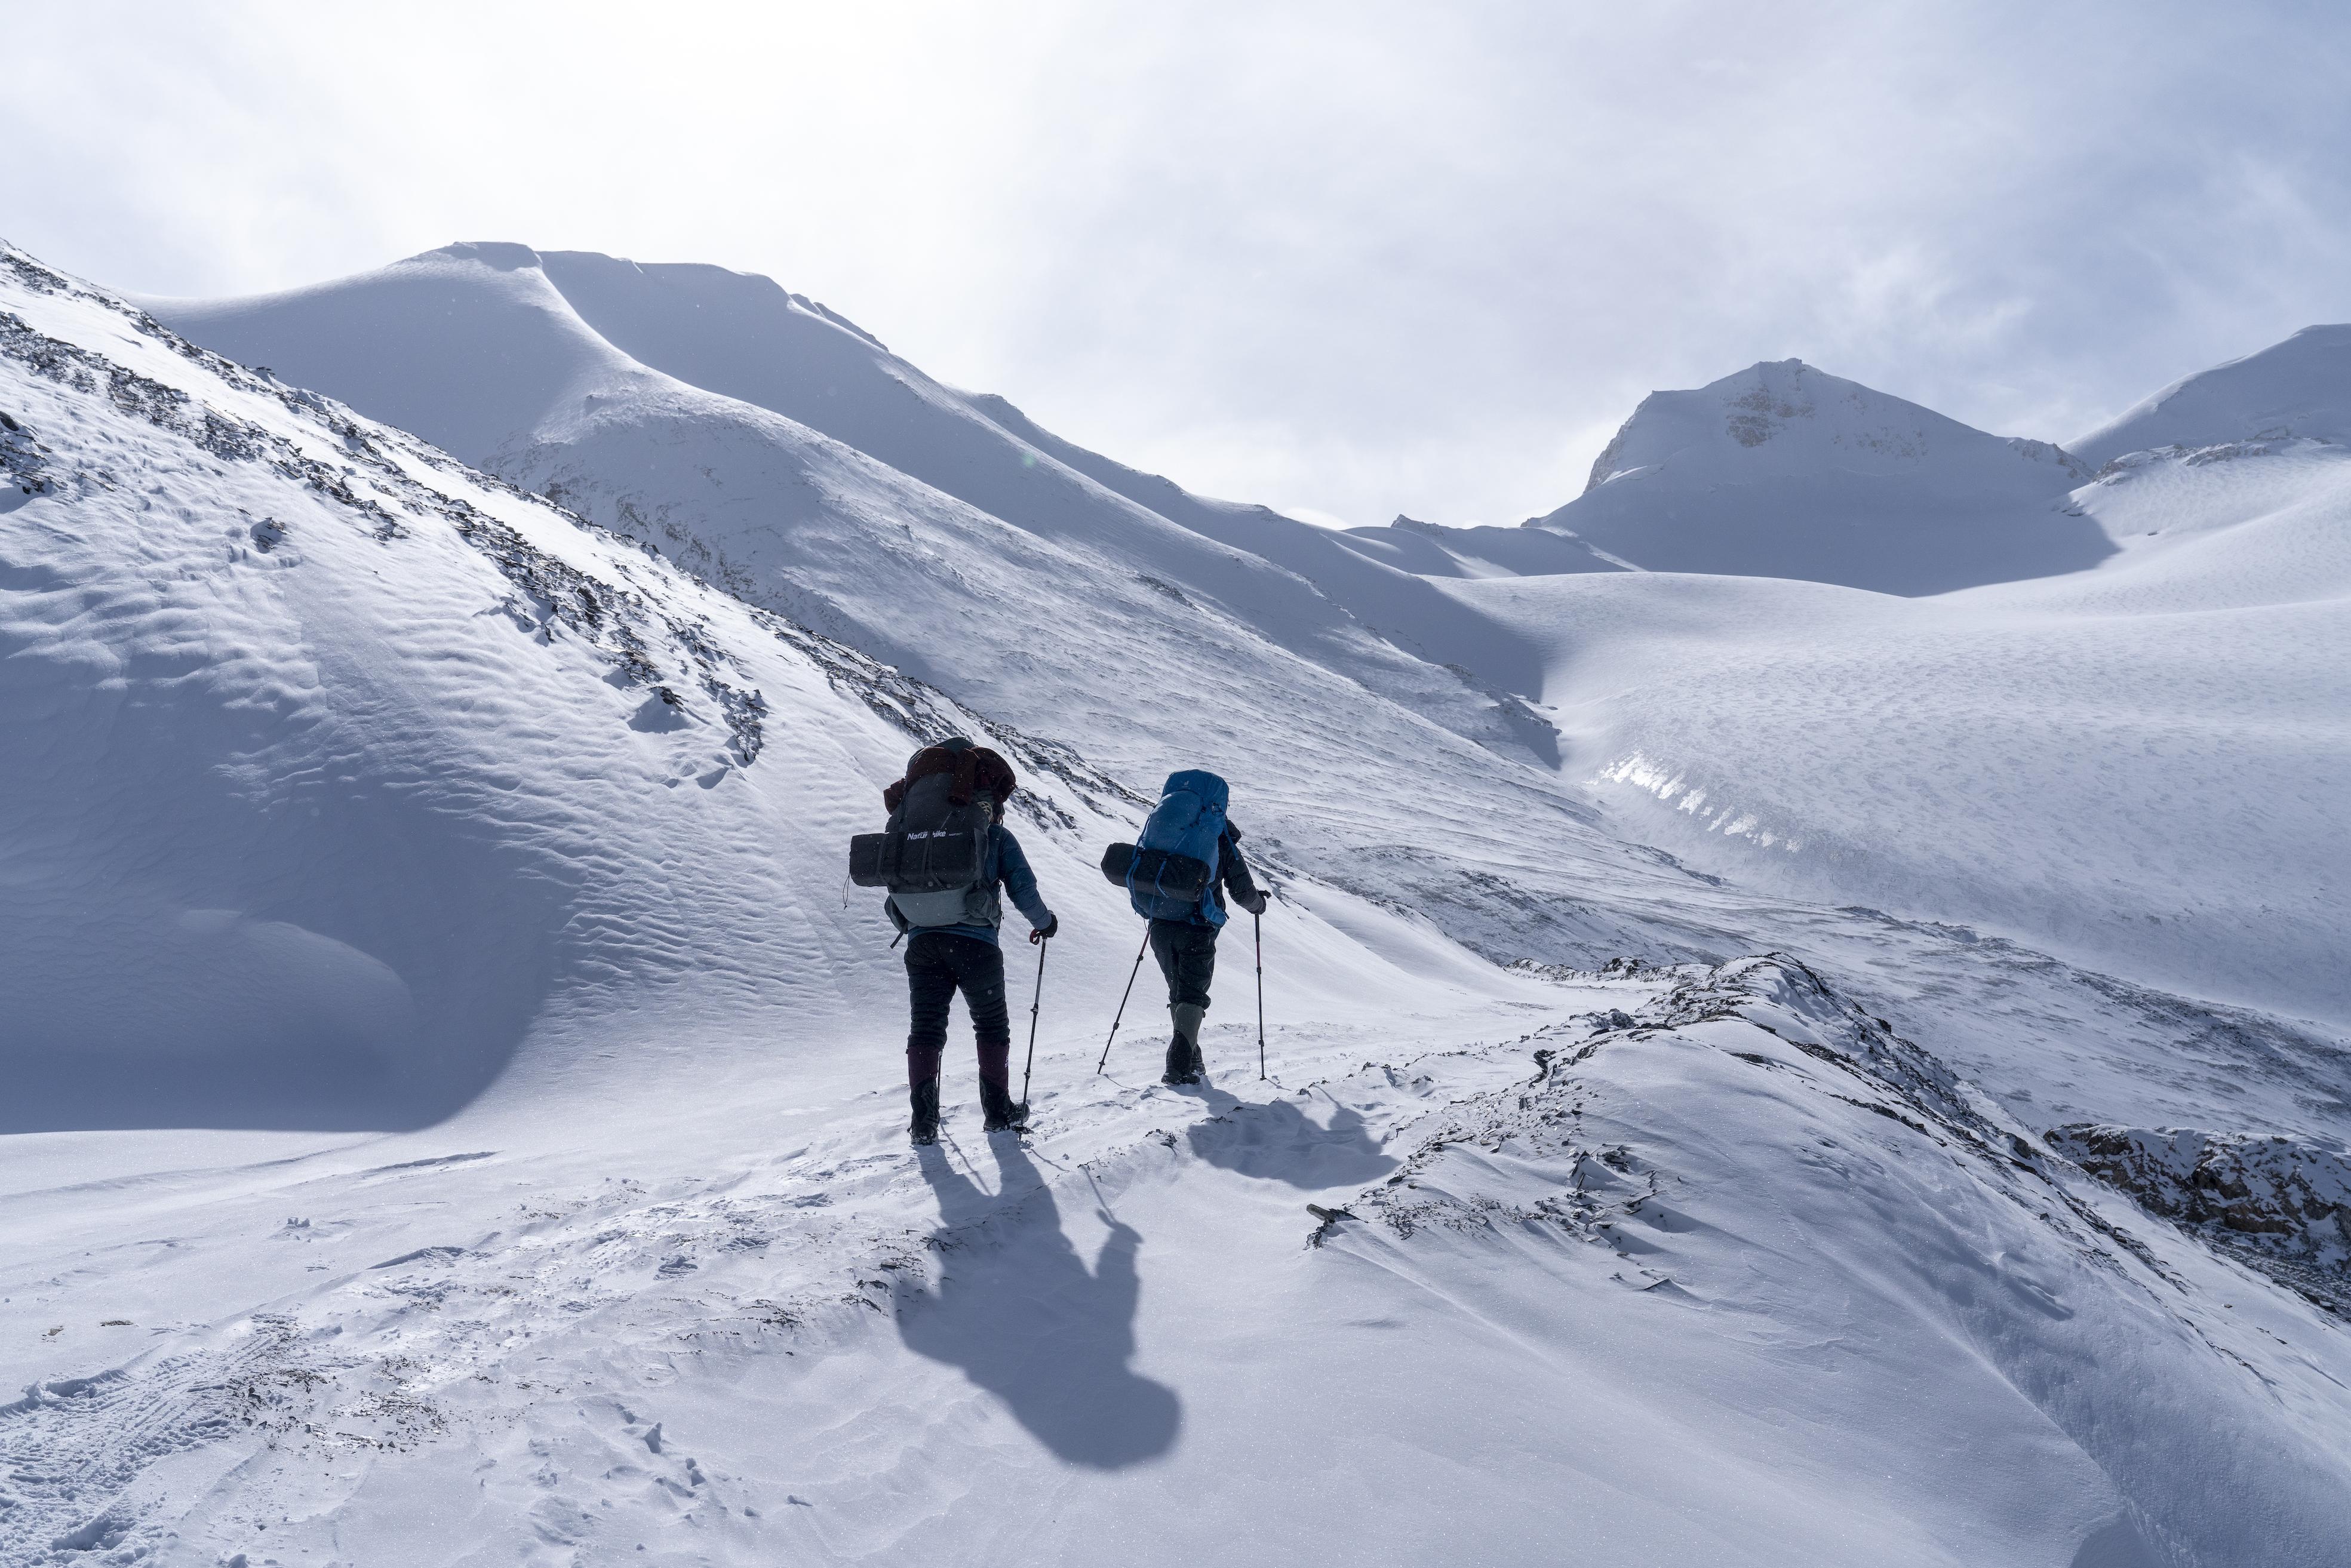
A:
(927, 862)
(1170, 875)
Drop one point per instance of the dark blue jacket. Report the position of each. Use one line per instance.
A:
(1233, 876)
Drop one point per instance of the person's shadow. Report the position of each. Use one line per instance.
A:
(1276, 1141)
(1019, 1311)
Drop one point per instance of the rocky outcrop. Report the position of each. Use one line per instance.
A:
(2281, 1204)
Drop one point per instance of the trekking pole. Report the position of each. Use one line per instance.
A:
(1105, 1062)
(1257, 925)
(1034, 1003)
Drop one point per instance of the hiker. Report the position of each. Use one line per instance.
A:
(1190, 821)
(951, 944)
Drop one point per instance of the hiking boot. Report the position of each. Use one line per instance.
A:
(924, 1127)
(1185, 1064)
(996, 1104)
(1182, 1062)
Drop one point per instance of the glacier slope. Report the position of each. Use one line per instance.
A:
(2136, 767)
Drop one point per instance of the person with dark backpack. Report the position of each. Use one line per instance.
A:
(1187, 858)
(944, 856)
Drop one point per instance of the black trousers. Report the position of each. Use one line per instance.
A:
(938, 965)
(1188, 956)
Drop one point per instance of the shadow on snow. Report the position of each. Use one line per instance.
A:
(1277, 1140)
(1028, 1321)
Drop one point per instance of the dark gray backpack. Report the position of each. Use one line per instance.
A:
(943, 853)
(933, 854)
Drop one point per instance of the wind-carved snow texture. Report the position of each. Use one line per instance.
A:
(1779, 996)
(551, 592)
(76, 1452)
(2281, 1204)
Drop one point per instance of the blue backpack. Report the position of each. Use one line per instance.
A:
(1172, 875)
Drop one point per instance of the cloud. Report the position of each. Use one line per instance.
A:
(1361, 258)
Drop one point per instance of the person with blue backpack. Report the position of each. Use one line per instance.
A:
(1187, 858)
(945, 856)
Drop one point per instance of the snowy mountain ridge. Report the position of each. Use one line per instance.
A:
(582, 372)
(2296, 389)
(422, 919)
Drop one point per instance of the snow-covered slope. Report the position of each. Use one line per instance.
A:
(2138, 766)
(454, 1114)
(2297, 389)
(1783, 470)
(342, 776)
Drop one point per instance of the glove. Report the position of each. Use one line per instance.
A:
(1255, 903)
(1045, 933)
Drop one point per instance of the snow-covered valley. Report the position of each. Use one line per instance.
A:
(1724, 1026)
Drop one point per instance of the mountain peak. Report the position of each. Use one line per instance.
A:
(1784, 470)
(1781, 416)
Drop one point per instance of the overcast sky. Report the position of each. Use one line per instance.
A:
(1350, 259)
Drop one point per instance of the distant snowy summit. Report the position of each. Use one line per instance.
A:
(1783, 470)
(2297, 389)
